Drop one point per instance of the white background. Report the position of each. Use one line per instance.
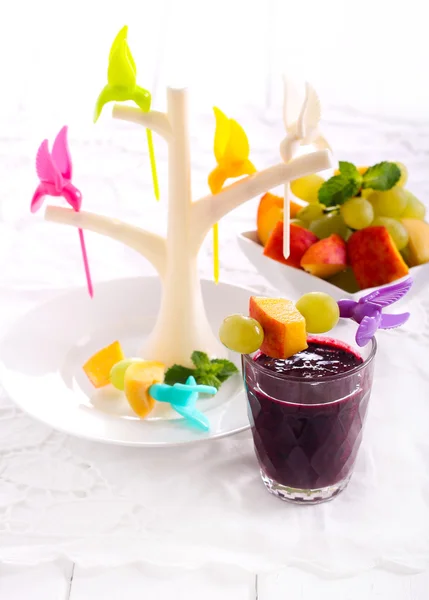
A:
(369, 55)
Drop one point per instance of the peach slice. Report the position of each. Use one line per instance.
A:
(270, 211)
(300, 240)
(374, 257)
(284, 326)
(138, 379)
(98, 367)
(326, 257)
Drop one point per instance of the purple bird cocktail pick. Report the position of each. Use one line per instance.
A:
(54, 171)
(368, 311)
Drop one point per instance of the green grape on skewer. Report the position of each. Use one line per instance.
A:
(241, 334)
(320, 311)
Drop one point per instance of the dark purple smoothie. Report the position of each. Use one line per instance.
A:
(307, 412)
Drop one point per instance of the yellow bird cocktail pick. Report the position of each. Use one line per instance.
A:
(122, 86)
(231, 150)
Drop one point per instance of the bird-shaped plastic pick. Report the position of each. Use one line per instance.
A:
(54, 171)
(301, 122)
(122, 86)
(231, 150)
(183, 398)
(368, 311)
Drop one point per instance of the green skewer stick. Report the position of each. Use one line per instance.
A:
(152, 163)
(122, 86)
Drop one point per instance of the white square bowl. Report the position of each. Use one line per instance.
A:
(293, 283)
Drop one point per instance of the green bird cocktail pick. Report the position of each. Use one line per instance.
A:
(122, 86)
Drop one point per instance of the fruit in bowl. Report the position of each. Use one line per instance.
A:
(358, 230)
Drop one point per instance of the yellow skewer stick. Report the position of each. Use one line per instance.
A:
(152, 163)
(216, 267)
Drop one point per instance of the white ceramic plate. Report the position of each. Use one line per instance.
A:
(41, 360)
(294, 282)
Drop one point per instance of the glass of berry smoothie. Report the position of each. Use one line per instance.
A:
(307, 414)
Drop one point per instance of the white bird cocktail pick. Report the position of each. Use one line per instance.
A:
(301, 121)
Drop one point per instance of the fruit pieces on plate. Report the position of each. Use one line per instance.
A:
(326, 257)
(98, 367)
(117, 372)
(131, 375)
(139, 377)
(270, 211)
(374, 257)
(300, 240)
(135, 377)
(284, 326)
(418, 241)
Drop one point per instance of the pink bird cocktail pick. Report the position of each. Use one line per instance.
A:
(54, 169)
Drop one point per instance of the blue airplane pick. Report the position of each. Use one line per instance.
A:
(183, 398)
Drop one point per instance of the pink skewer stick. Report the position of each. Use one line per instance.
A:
(86, 264)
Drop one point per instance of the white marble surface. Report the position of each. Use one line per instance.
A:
(384, 118)
(61, 580)
(45, 261)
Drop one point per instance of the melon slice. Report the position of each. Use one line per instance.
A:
(98, 367)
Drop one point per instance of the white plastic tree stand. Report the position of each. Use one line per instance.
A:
(182, 325)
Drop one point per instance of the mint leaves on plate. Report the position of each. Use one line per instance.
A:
(207, 372)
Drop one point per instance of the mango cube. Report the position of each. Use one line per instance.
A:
(284, 326)
(98, 367)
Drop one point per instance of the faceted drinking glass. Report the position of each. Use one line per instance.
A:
(307, 432)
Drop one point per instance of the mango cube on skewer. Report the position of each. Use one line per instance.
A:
(139, 377)
(284, 327)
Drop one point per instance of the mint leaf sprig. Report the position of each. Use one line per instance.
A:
(381, 177)
(349, 183)
(207, 372)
